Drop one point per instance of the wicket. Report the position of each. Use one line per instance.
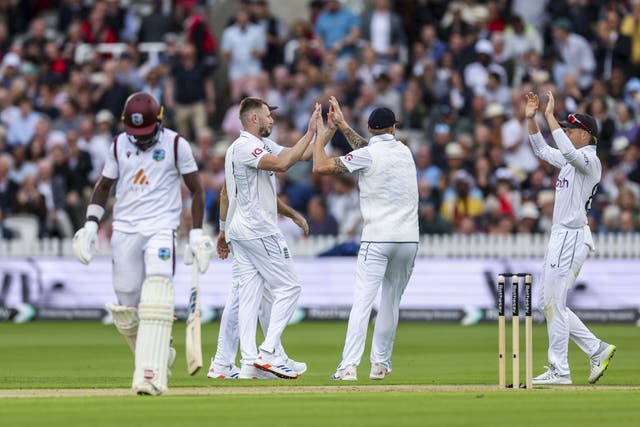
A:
(515, 330)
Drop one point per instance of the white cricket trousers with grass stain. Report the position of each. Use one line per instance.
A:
(384, 266)
(566, 253)
(260, 264)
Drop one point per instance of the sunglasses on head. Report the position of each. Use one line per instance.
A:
(574, 120)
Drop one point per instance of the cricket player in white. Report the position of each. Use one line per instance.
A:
(570, 239)
(389, 242)
(261, 257)
(223, 363)
(147, 162)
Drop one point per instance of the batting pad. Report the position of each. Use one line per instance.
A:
(126, 321)
(154, 336)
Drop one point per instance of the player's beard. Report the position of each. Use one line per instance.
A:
(264, 131)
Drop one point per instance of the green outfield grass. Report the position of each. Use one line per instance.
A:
(90, 355)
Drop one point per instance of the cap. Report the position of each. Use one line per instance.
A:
(454, 151)
(104, 116)
(581, 121)
(463, 176)
(272, 107)
(484, 46)
(381, 118)
(11, 59)
(441, 128)
(494, 109)
(562, 23)
(619, 144)
(529, 210)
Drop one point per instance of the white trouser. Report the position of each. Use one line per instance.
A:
(260, 263)
(380, 265)
(136, 256)
(565, 255)
(228, 335)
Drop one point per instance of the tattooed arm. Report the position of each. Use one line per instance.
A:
(336, 116)
(322, 164)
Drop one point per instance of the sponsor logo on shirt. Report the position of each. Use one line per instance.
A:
(348, 157)
(140, 178)
(562, 183)
(164, 253)
(257, 152)
(158, 155)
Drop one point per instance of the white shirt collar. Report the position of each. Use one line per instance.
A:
(383, 137)
(245, 134)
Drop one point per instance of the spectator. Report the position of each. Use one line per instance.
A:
(109, 93)
(155, 25)
(338, 29)
(190, 92)
(521, 38)
(384, 30)
(574, 54)
(275, 32)
(29, 201)
(344, 205)
(462, 203)
(22, 128)
(629, 27)
(95, 29)
(476, 74)
(321, 222)
(201, 36)
(243, 46)
(8, 192)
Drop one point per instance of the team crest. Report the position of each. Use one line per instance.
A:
(164, 253)
(158, 155)
(137, 119)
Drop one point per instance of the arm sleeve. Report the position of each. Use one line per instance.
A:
(249, 153)
(357, 159)
(110, 169)
(544, 152)
(577, 159)
(186, 162)
(274, 147)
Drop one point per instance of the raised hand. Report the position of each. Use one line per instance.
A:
(313, 121)
(532, 105)
(335, 113)
(548, 111)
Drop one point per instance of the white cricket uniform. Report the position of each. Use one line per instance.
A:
(389, 205)
(147, 209)
(569, 243)
(261, 258)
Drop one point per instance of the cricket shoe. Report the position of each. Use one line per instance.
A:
(222, 372)
(379, 371)
(299, 367)
(600, 361)
(551, 376)
(276, 365)
(250, 372)
(350, 373)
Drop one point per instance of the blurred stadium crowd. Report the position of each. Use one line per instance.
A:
(455, 73)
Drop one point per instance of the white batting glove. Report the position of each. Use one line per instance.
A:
(85, 242)
(201, 248)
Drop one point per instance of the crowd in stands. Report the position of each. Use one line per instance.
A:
(455, 73)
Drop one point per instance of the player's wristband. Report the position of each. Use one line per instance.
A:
(222, 224)
(95, 211)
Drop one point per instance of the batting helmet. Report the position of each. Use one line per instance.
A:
(141, 115)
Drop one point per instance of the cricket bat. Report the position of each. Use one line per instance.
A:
(193, 338)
